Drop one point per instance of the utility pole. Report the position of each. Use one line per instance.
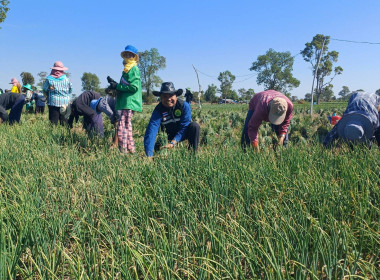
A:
(200, 92)
(315, 74)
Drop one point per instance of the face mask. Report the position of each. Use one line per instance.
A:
(28, 95)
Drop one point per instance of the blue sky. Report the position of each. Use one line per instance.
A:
(215, 36)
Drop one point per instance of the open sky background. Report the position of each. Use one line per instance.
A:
(214, 35)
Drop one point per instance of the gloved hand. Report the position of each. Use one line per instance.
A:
(113, 85)
(110, 80)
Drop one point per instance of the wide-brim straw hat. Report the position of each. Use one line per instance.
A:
(168, 87)
(277, 111)
(58, 65)
(355, 127)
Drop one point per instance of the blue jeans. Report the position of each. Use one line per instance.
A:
(245, 139)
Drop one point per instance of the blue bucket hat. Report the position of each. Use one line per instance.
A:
(130, 49)
(93, 104)
(355, 127)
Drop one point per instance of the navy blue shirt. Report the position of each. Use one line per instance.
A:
(175, 120)
(363, 103)
(39, 98)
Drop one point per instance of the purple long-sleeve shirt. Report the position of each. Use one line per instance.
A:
(259, 104)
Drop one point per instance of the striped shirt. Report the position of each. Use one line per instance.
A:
(58, 90)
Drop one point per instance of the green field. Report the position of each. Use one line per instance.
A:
(72, 208)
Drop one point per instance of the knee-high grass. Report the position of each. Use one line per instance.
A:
(72, 208)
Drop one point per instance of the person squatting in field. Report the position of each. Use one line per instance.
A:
(270, 106)
(174, 116)
(360, 122)
(15, 102)
(90, 104)
(58, 88)
(128, 98)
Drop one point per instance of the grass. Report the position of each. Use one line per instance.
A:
(72, 208)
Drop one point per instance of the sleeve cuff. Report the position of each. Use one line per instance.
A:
(255, 143)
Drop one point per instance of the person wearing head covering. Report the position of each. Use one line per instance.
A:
(40, 100)
(128, 98)
(16, 86)
(13, 101)
(360, 122)
(57, 88)
(90, 105)
(188, 96)
(28, 91)
(270, 106)
(174, 116)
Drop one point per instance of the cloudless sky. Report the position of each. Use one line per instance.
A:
(214, 36)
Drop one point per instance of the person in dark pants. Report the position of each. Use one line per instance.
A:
(57, 88)
(174, 116)
(13, 101)
(270, 106)
(360, 122)
(90, 105)
(40, 102)
(92, 121)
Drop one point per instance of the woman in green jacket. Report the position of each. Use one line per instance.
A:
(128, 98)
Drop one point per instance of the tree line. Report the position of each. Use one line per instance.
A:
(273, 69)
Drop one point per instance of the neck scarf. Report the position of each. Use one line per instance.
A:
(129, 63)
(56, 73)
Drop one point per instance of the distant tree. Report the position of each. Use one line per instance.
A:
(344, 93)
(150, 62)
(3, 10)
(90, 81)
(210, 94)
(378, 92)
(275, 71)
(232, 94)
(226, 80)
(327, 93)
(196, 96)
(307, 97)
(27, 78)
(246, 94)
(311, 53)
(294, 98)
(42, 76)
